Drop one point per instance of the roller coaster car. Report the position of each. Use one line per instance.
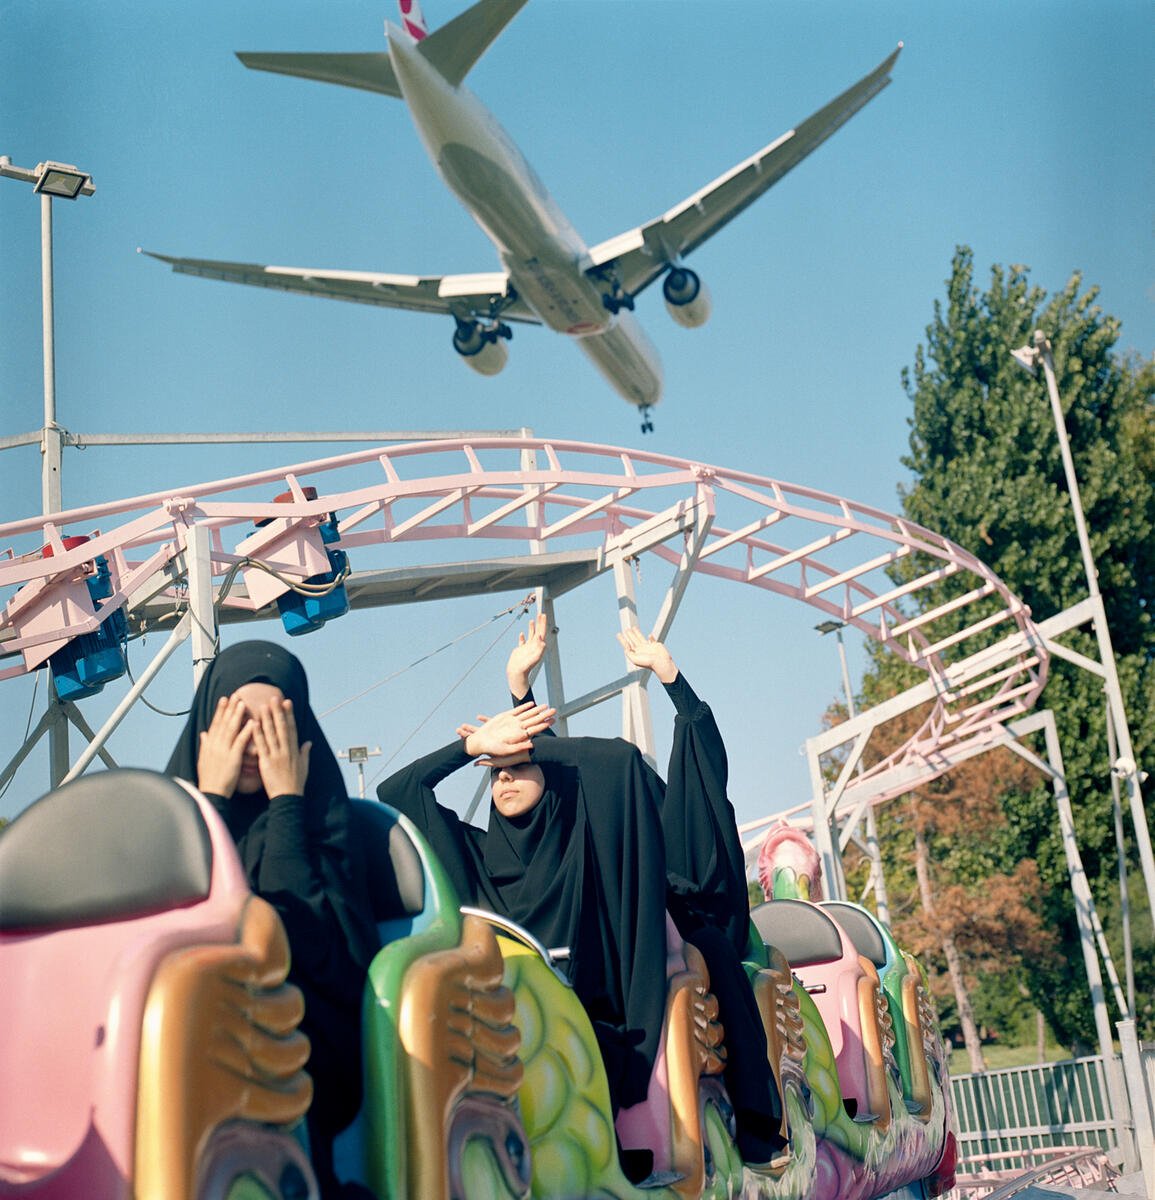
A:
(845, 989)
(872, 1136)
(918, 1051)
(148, 1035)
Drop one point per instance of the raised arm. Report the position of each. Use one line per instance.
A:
(524, 657)
(705, 866)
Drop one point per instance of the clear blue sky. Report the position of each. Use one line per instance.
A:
(1022, 130)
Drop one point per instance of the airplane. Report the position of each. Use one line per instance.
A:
(549, 275)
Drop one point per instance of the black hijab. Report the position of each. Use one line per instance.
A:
(328, 814)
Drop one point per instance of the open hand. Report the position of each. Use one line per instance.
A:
(649, 654)
(284, 763)
(222, 747)
(528, 652)
(509, 732)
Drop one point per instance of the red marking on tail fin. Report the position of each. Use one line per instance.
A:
(413, 19)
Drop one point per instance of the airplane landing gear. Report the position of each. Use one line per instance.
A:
(647, 424)
(618, 300)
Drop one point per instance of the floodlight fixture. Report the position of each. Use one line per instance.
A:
(829, 626)
(62, 180)
(1027, 357)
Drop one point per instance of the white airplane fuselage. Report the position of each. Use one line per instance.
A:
(544, 255)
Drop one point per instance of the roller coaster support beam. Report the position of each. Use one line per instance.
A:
(199, 568)
(1090, 930)
(1143, 1118)
(97, 741)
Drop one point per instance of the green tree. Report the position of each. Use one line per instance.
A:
(987, 473)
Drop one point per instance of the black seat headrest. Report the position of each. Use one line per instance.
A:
(860, 928)
(803, 932)
(395, 874)
(108, 846)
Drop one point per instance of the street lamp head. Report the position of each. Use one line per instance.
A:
(829, 626)
(62, 180)
(1026, 357)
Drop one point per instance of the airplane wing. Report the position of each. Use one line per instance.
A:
(463, 296)
(372, 72)
(643, 254)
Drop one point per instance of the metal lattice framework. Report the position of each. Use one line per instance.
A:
(199, 552)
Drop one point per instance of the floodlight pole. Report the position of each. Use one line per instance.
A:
(1125, 766)
(68, 182)
(53, 441)
(359, 755)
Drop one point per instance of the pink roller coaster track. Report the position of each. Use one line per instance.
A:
(981, 654)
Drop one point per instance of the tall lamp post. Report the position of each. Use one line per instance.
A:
(1124, 766)
(65, 182)
(359, 755)
(881, 900)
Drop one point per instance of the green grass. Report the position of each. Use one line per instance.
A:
(999, 1056)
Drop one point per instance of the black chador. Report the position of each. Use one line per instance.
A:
(300, 855)
(583, 870)
(707, 896)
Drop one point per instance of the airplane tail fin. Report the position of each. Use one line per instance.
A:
(413, 20)
(454, 48)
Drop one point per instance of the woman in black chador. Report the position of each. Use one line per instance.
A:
(573, 853)
(254, 748)
(704, 877)
(707, 895)
(576, 851)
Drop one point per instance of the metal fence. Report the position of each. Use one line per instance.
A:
(1064, 1103)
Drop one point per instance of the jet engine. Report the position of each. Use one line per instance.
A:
(481, 346)
(687, 297)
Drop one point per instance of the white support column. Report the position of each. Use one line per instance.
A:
(30, 742)
(1125, 765)
(555, 689)
(1070, 844)
(1121, 851)
(1084, 907)
(96, 743)
(76, 718)
(1143, 1119)
(695, 543)
(202, 613)
(833, 880)
(637, 726)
